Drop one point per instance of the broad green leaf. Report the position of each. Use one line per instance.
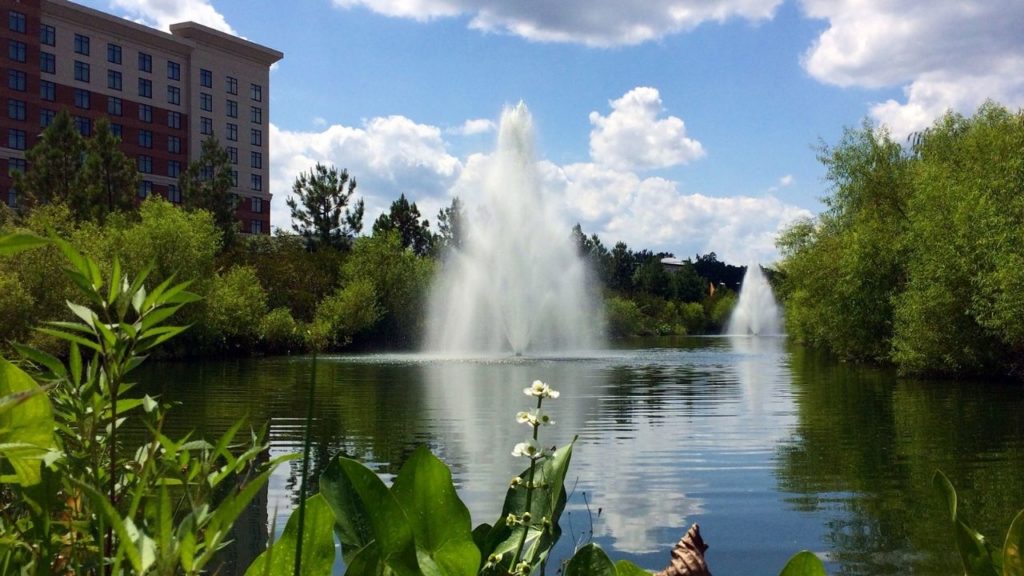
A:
(978, 556)
(590, 561)
(440, 522)
(113, 518)
(43, 359)
(1013, 550)
(367, 512)
(804, 563)
(28, 422)
(17, 242)
(317, 544)
(627, 568)
(547, 502)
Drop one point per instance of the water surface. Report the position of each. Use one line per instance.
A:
(769, 448)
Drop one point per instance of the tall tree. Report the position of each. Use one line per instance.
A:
(206, 185)
(320, 208)
(404, 218)
(110, 178)
(54, 165)
(451, 225)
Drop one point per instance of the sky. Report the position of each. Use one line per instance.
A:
(682, 126)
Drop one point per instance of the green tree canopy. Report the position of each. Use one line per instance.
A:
(404, 218)
(110, 178)
(206, 185)
(451, 225)
(320, 208)
(54, 165)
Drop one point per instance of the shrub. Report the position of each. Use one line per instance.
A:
(235, 306)
(624, 317)
(343, 315)
(280, 333)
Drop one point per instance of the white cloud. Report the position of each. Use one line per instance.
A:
(590, 22)
(387, 156)
(786, 180)
(633, 137)
(474, 126)
(945, 54)
(162, 13)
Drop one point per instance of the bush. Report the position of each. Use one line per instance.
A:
(280, 333)
(235, 306)
(624, 317)
(344, 314)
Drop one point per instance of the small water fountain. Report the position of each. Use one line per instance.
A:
(756, 313)
(518, 285)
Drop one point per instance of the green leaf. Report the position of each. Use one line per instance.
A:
(317, 544)
(114, 290)
(978, 556)
(590, 561)
(804, 563)
(367, 512)
(1013, 550)
(124, 533)
(28, 422)
(440, 522)
(627, 568)
(14, 243)
(43, 359)
(70, 338)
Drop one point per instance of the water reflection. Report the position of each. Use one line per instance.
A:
(771, 449)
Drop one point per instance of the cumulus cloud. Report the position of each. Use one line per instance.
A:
(162, 13)
(590, 22)
(633, 136)
(387, 156)
(474, 126)
(944, 54)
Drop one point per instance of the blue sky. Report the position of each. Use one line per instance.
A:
(686, 126)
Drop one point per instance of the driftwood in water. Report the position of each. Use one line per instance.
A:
(688, 556)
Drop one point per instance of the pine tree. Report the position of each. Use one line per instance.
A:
(405, 219)
(54, 165)
(110, 178)
(319, 208)
(206, 185)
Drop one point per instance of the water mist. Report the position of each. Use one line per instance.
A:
(756, 312)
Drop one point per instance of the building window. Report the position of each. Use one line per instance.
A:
(114, 106)
(206, 102)
(114, 80)
(174, 120)
(173, 70)
(47, 35)
(15, 139)
(206, 173)
(16, 22)
(145, 62)
(114, 53)
(232, 106)
(256, 182)
(17, 51)
(173, 95)
(46, 117)
(82, 98)
(174, 145)
(145, 164)
(47, 63)
(84, 126)
(81, 44)
(232, 85)
(145, 88)
(16, 165)
(232, 132)
(256, 92)
(145, 188)
(16, 109)
(256, 137)
(47, 90)
(81, 71)
(205, 126)
(256, 204)
(146, 113)
(16, 80)
(256, 160)
(256, 115)
(256, 226)
(233, 154)
(116, 129)
(145, 139)
(173, 168)
(234, 179)
(173, 194)
(205, 78)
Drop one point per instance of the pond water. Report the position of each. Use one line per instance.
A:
(770, 448)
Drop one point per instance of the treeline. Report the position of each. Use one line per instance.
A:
(644, 296)
(919, 258)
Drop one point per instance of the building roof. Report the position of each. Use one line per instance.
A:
(201, 34)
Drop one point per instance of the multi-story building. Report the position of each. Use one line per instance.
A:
(164, 93)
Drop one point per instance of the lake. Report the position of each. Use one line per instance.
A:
(770, 448)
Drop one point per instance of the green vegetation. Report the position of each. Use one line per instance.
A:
(918, 259)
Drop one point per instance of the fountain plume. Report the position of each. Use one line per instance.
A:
(756, 313)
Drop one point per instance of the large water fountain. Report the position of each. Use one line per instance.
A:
(756, 313)
(518, 285)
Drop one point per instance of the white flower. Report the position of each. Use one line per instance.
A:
(523, 417)
(534, 418)
(530, 449)
(540, 390)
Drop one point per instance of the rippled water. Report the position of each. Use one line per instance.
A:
(770, 449)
